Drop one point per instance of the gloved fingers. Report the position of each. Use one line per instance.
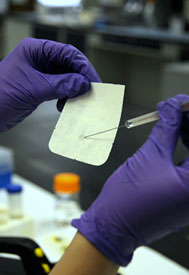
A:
(62, 86)
(57, 58)
(62, 56)
(77, 62)
(60, 104)
(166, 132)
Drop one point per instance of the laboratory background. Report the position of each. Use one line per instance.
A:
(142, 44)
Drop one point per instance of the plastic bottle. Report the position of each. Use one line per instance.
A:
(66, 188)
(15, 200)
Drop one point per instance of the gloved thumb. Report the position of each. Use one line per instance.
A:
(166, 132)
(62, 86)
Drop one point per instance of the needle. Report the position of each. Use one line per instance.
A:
(105, 131)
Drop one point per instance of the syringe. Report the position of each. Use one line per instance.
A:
(149, 117)
(140, 120)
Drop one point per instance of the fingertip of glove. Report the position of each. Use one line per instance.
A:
(160, 105)
(170, 110)
(71, 85)
(82, 86)
(86, 85)
(60, 104)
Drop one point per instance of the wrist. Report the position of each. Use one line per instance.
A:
(83, 258)
(118, 248)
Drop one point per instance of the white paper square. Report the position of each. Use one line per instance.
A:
(98, 110)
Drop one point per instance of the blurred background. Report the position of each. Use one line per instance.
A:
(143, 44)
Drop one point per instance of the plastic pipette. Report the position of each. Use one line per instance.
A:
(140, 120)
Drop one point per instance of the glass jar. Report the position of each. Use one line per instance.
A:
(66, 188)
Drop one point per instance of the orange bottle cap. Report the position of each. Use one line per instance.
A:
(67, 183)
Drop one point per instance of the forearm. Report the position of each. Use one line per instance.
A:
(82, 258)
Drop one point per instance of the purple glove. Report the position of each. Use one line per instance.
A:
(37, 71)
(146, 198)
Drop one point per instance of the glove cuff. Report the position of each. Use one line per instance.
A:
(103, 244)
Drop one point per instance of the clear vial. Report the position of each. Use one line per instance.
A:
(66, 188)
(15, 201)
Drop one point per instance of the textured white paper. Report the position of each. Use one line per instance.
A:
(98, 110)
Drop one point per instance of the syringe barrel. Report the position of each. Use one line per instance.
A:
(142, 119)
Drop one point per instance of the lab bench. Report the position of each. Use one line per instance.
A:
(139, 58)
(39, 204)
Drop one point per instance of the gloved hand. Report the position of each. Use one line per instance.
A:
(40, 70)
(146, 198)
